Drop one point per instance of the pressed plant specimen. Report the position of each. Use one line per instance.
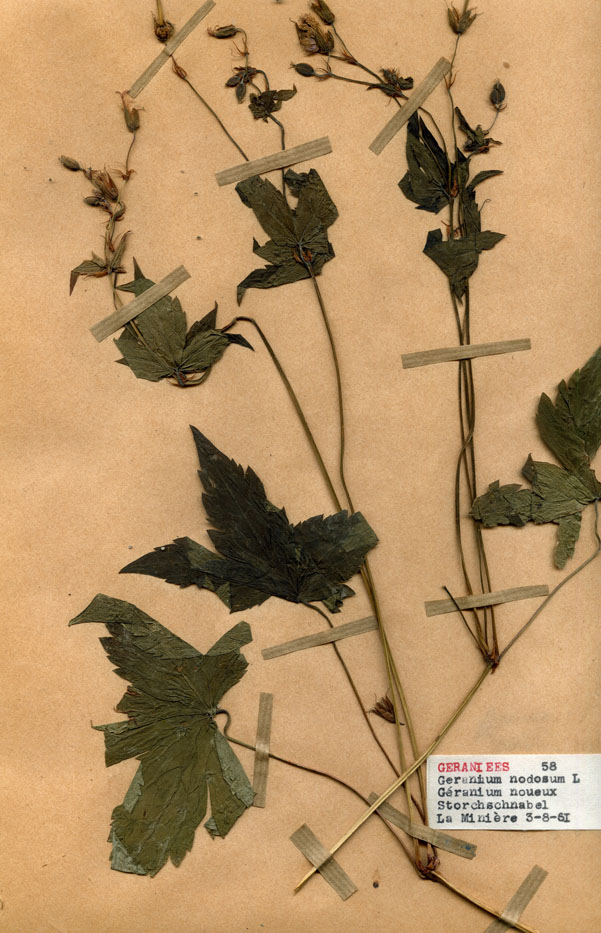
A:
(259, 552)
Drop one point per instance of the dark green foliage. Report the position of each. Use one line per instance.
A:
(430, 174)
(262, 105)
(476, 139)
(158, 346)
(173, 694)
(458, 259)
(299, 243)
(571, 428)
(432, 182)
(260, 554)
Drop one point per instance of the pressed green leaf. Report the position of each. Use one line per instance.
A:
(426, 182)
(156, 345)
(557, 492)
(94, 267)
(483, 176)
(458, 258)
(173, 694)
(260, 553)
(299, 242)
(268, 102)
(503, 505)
(571, 427)
(476, 139)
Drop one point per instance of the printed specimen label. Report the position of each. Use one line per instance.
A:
(514, 792)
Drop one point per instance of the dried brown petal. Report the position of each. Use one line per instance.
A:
(71, 164)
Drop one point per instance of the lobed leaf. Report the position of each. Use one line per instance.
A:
(173, 694)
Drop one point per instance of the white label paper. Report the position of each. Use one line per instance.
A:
(514, 792)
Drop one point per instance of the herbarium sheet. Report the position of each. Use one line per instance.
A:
(334, 475)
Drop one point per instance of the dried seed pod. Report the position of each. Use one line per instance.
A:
(72, 164)
(223, 32)
(130, 113)
(304, 69)
(95, 201)
(497, 96)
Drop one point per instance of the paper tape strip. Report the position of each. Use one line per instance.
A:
(169, 48)
(262, 749)
(281, 159)
(128, 312)
(307, 842)
(369, 624)
(438, 607)
(419, 96)
(419, 831)
(519, 901)
(468, 352)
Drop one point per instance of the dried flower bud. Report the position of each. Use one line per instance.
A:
(312, 37)
(105, 183)
(497, 96)
(131, 113)
(395, 85)
(384, 708)
(71, 164)
(223, 32)
(95, 201)
(323, 11)
(460, 22)
(304, 69)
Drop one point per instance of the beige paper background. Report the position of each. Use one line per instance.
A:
(96, 462)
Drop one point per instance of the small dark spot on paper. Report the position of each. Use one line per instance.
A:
(199, 238)
(376, 884)
(505, 64)
(130, 547)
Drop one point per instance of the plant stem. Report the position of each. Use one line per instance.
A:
(515, 925)
(327, 478)
(406, 774)
(181, 74)
(325, 774)
(297, 407)
(391, 669)
(355, 690)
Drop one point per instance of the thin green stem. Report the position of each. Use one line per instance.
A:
(353, 685)
(391, 669)
(183, 76)
(297, 406)
(310, 770)
(332, 342)
(406, 774)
